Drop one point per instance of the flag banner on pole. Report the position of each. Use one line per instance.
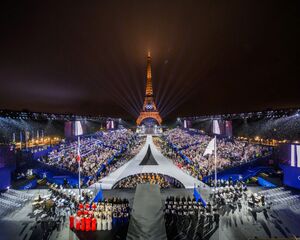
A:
(210, 147)
(78, 157)
(198, 197)
(196, 194)
(99, 196)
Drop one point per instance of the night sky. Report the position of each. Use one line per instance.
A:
(89, 57)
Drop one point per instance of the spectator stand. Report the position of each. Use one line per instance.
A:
(122, 150)
(59, 175)
(44, 152)
(244, 171)
(178, 151)
(187, 140)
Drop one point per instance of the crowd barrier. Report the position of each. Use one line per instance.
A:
(32, 184)
(243, 171)
(44, 152)
(265, 183)
(57, 175)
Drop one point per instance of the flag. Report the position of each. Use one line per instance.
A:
(210, 147)
(99, 196)
(198, 197)
(78, 158)
(196, 194)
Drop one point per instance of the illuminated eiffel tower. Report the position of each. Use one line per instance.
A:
(149, 111)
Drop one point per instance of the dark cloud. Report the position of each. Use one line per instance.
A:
(208, 56)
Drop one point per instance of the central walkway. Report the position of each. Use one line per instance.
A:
(165, 166)
(147, 216)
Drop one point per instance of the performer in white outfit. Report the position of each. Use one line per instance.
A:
(104, 223)
(99, 223)
(75, 220)
(109, 222)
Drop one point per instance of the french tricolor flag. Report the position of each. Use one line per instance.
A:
(78, 158)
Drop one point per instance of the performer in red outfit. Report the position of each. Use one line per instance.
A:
(91, 213)
(80, 206)
(71, 219)
(87, 206)
(94, 224)
(78, 221)
(82, 223)
(94, 206)
(88, 224)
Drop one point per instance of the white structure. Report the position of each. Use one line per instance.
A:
(132, 167)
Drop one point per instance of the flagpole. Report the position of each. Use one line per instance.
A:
(215, 147)
(78, 152)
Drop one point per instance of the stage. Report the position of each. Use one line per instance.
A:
(164, 166)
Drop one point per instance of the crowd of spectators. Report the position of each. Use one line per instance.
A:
(95, 150)
(153, 178)
(133, 149)
(230, 152)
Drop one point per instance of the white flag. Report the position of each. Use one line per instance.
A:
(210, 147)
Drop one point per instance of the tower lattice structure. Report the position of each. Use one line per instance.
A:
(149, 107)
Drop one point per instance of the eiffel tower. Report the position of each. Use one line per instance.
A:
(149, 111)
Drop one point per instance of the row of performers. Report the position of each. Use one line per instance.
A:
(91, 221)
(104, 206)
